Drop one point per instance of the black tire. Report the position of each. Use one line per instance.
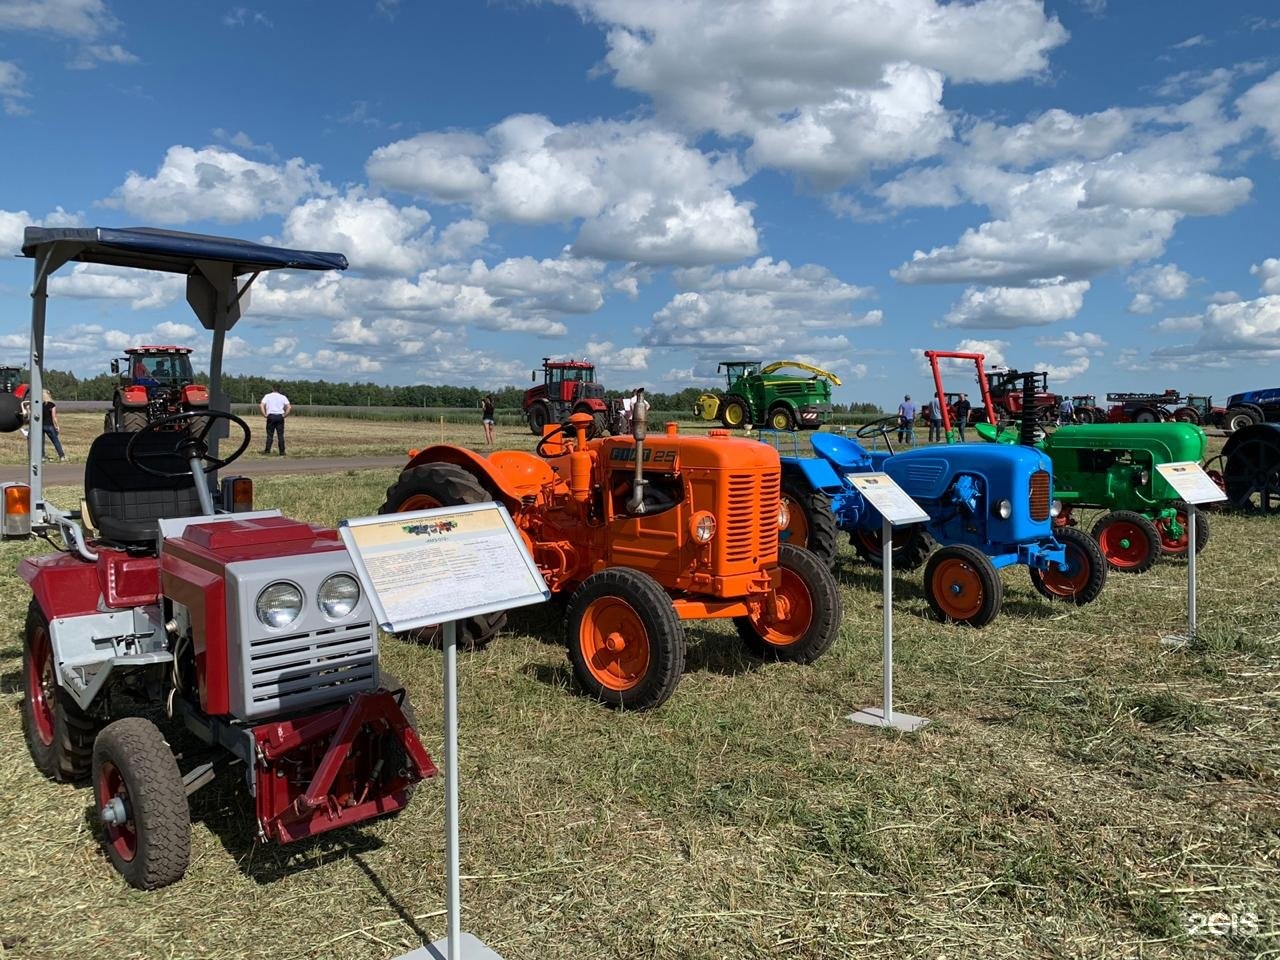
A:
(444, 485)
(651, 660)
(813, 525)
(600, 424)
(155, 801)
(108, 422)
(1168, 546)
(910, 555)
(132, 421)
(67, 756)
(734, 414)
(1259, 415)
(539, 416)
(781, 418)
(1146, 415)
(1078, 586)
(390, 682)
(805, 578)
(1187, 415)
(963, 586)
(1237, 418)
(1130, 542)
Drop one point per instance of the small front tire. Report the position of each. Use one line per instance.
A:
(808, 608)
(1084, 576)
(961, 585)
(1128, 540)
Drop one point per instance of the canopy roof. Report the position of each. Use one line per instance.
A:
(169, 250)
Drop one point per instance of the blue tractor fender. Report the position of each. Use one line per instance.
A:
(817, 474)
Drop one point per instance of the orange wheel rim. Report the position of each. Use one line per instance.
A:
(957, 587)
(418, 501)
(614, 643)
(1072, 580)
(1168, 542)
(794, 612)
(1123, 544)
(796, 532)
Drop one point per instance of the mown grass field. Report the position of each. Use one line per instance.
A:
(1083, 791)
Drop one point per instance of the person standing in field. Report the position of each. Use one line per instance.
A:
(486, 417)
(935, 420)
(275, 407)
(49, 417)
(1066, 411)
(907, 420)
(962, 414)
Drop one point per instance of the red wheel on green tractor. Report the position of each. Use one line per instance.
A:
(911, 546)
(1084, 575)
(807, 616)
(810, 523)
(59, 734)
(1174, 532)
(734, 413)
(426, 487)
(963, 586)
(626, 644)
(1128, 540)
(141, 802)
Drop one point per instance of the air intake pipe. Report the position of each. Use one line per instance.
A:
(639, 415)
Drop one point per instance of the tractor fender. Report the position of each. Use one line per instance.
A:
(1240, 436)
(508, 475)
(816, 473)
(63, 584)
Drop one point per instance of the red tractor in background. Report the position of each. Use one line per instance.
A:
(156, 382)
(1170, 407)
(1006, 390)
(568, 387)
(639, 537)
(1087, 409)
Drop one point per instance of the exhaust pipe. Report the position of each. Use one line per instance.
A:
(639, 415)
(1030, 416)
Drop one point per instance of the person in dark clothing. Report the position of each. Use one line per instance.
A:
(49, 417)
(275, 407)
(486, 417)
(935, 420)
(962, 414)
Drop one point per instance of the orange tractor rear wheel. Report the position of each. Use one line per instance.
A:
(806, 615)
(425, 487)
(626, 644)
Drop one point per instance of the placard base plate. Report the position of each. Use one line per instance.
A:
(469, 948)
(874, 717)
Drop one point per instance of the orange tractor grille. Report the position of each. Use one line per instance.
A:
(1040, 495)
(751, 526)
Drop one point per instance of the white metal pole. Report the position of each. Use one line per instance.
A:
(886, 563)
(454, 893)
(1191, 572)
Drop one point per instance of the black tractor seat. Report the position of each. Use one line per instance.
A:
(126, 502)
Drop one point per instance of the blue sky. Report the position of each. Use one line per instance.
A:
(1079, 186)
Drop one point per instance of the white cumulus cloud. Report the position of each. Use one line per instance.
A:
(1006, 308)
(1268, 274)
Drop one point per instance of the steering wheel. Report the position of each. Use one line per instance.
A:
(188, 444)
(564, 428)
(878, 428)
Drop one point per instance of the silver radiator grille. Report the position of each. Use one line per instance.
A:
(298, 669)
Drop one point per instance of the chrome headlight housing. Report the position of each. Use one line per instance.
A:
(338, 596)
(1055, 508)
(278, 604)
(784, 515)
(1004, 509)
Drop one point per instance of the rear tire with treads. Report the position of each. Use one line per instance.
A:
(811, 524)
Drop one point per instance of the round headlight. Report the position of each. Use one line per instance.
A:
(1144, 477)
(1005, 509)
(703, 526)
(784, 515)
(1055, 508)
(338, 596)
(279, 604)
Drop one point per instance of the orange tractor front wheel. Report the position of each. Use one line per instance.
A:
(805, 616)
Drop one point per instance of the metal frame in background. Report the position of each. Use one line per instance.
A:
(933, 356)
(212, 266)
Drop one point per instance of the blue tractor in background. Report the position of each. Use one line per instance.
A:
(989, 507)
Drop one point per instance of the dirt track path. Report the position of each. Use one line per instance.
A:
(73, 472)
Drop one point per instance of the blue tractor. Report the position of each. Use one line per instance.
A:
(989, 507)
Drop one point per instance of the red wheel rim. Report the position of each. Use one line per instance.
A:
(418, 501)
(122, 837)
(41, 684)
(1072, 580)
(957, 588)
(614, 643)
(794, 612)
(1124, 544)
(1168, 542)
(796, 532)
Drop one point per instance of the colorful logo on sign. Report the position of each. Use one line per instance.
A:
(430, 529)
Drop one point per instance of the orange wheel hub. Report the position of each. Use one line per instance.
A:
(957, 586)
(419, 501)
(1071, 581)
(614, 643)
(794, 612)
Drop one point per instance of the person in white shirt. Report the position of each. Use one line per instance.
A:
(275, 407)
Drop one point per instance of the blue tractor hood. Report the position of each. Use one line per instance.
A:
(926, 472)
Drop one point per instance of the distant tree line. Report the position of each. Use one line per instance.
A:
(242, 388)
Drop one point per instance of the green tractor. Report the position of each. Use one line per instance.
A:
(1112, 467)
(761, 397)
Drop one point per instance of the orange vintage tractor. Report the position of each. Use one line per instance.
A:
(639, 536)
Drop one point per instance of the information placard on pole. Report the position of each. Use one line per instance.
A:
(896, 509)
(439, 566)
(1192, 484)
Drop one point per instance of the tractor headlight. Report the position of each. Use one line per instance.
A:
(1004, 509)
(338, 596)
(784, 515)
(1055, 508)
(703, 526)
(279, 604)
(1144, 477)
